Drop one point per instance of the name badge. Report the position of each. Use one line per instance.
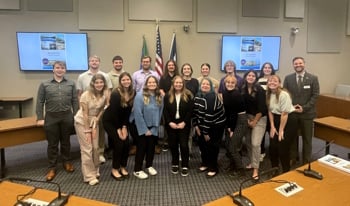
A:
(307, 86)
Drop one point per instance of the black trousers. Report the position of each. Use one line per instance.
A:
(176, 138)
(280, 150)
(58, 128)
(145, 149)
(210, 149)
(120, 147)
(234, 144)
(133, 133)
(262, 145)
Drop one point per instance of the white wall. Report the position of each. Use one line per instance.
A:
(192, 47)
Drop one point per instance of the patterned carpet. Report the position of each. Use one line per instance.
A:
(164, 189)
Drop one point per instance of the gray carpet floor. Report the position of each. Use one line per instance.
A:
(29, 161)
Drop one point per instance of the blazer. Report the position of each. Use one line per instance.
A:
(185, 111)
(307, 96)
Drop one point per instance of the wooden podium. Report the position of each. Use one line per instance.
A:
(332, 190)
(10, 190)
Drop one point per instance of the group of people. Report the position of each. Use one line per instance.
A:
(135, 106)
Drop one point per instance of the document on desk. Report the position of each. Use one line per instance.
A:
(336, 162)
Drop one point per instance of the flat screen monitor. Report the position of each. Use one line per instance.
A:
(251, 52)
(37, 51)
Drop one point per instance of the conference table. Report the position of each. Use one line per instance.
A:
(10, 190)
(332, 190)
(16, 132)
(332, 128)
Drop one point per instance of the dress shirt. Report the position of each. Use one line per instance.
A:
(139, 77)
(56, 97)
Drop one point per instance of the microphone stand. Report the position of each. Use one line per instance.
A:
(242, 200)
(312, 173)
(60, 200)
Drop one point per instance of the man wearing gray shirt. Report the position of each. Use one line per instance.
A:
(59, 98)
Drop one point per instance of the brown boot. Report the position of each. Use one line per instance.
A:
(50, 175)
(132, 150)
(157, 149)
(68, 167)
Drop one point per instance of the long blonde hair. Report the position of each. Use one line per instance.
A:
(146, 93)
(185, 93)
(278, 92)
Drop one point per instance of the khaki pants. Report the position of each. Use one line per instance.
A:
(89, 154)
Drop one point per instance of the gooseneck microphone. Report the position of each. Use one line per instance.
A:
(312, 173)
(242, 200)
(60, 200)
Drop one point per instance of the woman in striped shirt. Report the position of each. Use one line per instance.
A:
(209, 122)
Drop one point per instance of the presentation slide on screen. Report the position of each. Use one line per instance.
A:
(39, 51)
(250, 52)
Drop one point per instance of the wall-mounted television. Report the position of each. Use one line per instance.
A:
(250, 52)
(37, 51)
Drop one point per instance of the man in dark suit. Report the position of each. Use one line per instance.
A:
(304, 89)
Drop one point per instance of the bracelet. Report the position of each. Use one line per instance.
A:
(124, 126)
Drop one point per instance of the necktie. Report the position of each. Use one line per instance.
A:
(300, 82)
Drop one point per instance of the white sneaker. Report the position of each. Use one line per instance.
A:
(102, 159)
(93, 182)
(141, 175)
(151, 171)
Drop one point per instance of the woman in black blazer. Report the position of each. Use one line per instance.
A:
(178, 106)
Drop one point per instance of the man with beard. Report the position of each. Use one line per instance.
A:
(116, 71)
(304, 89)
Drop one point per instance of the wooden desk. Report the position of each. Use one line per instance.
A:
(16, 100)
(10, 190)
(16, 132)
(332, 105)
(332, 190)
(333, 128)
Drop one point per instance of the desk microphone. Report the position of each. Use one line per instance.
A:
(312, 173)
(60, 200)
(241, 200)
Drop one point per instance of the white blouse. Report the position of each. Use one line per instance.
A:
(284, 103)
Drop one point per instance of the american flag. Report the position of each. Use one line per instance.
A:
(159, 57)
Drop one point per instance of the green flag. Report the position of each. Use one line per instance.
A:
(144, 51)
